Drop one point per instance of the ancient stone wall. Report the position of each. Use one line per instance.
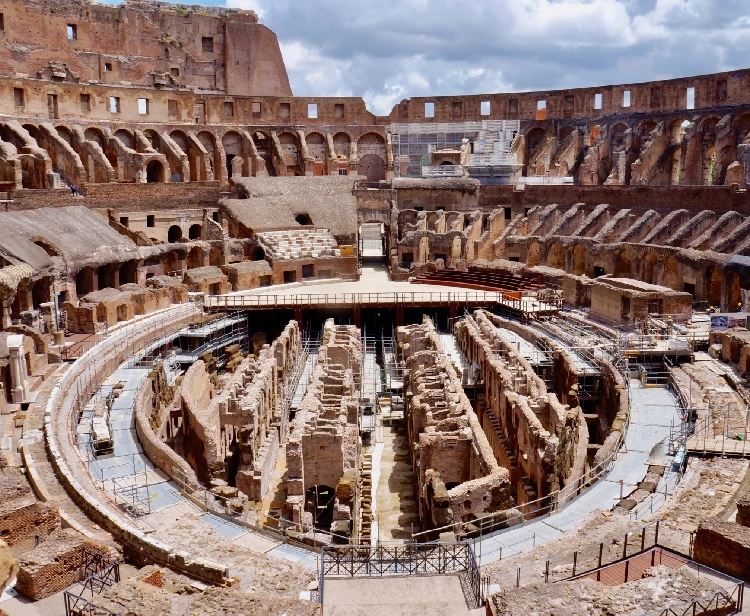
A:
(323, 445)
(53, 565)
(455, 472)
(544, 438)
(724, 546)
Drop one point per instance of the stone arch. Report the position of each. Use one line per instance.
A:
(617, 136)
(153, 138)
(316, 145)
(732, 291)
(182, 140)
(555, 256)
(649, 267)
(578, 260)
(195, 231)
(645, 128)
(65, 134)
(174, 234)
(371, 155)
(129, 272)
(232, 143)
(670, 276)
(93, 133)
(372, 166)
(195, 257)
(126, 138)
(564, 133)
(84, 281)
(342, 145)
(713, 287)
(741, 128)
(708, 150)
(289, 150)
(208, 141)
(155, 172)
(263, 145)
(533, 139)
(623, 265)
(171, 260)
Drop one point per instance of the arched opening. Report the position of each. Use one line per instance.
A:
(670, 275)
(129, 272)
(555, 256)
(232, 143)
(371, 152)
(533, 139)
(319, 502)
(263, 146)
(154, 172)
(171, 262)
(84, 282)
(578, 265)
(617, 137)
(303, 218)
(623, 265)
(195, 258)
(289, 152)
(182, 140)
(174, 234)
(373, 241)
(40, 293)
(208, 141)
(125, 137)
(713, 288)
(649, 265)
(316, 146)
(106, 276)
(258, 254)
(216, 257)
(195, 231)
(708, 151)
(733, 291)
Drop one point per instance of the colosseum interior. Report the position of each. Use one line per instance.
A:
(265, 354)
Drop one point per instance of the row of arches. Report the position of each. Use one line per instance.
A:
(686, 150)
(714, 284)
(98, 155)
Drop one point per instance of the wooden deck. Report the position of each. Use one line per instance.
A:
(698, 445)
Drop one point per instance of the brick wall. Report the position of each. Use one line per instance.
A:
(53, 566)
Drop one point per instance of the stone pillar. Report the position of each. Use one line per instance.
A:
(743, 511)
(19, 382)
(5, 311)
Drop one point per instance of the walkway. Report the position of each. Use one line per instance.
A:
(651, 413)
(129, 466)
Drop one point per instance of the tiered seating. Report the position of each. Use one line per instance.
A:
(299, 244)
(482, 280)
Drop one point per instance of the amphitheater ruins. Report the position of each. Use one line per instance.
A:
(265, 354)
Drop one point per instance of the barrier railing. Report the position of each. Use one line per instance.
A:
(587, 558)
(408, 559)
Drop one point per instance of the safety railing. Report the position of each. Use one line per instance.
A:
(350, 299)
(408, 559)
(587, 558)
(98, 573)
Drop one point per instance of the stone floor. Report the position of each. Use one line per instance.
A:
(395, 503)
(428, 595)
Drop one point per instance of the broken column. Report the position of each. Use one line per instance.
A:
(19, 380)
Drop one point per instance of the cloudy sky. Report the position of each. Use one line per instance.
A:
(387, 50)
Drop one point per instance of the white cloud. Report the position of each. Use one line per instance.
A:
(388, 50)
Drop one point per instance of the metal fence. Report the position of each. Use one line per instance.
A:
(408, 559)
(587, 558)
(98, 573)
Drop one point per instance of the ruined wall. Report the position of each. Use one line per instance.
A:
(53, 565)
(456, 475)
(724, 546)
(154, 45)
(324, 439)
(201, 434)
(545, 438)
